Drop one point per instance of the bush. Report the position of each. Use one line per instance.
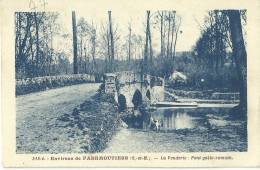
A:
(202, 77)
(208, 79)
(29, 85)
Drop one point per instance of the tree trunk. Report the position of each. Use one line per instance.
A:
(94, 52)
(31, 50)
(129, 44)
(176, 38)
(111, 41)
(74, 29)
(240, 55)
(162, 35)
(172, 35)
(22, 45)
(18, 35)
(150, 46)
(81, 56)
(168, 36)
(37, 43)
(145, 63)
(108, 59)
(51, 55)
(85, 56)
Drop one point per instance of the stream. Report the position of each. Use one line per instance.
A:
(183, 130)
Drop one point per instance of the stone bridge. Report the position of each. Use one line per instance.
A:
(131, 89)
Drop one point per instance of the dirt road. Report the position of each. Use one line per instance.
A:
(37, 130)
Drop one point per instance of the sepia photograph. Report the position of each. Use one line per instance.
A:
(143, 82)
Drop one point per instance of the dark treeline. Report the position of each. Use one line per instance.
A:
(218, 57)
(37, 32)
(220, 53)
(213, 55)
(167, 24)
(95, 50)
(34, 53)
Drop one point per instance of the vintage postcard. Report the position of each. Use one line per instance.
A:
(120, 83)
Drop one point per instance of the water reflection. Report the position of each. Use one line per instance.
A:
(171, 119)
(182, 130)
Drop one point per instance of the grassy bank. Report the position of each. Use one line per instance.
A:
(96, 120)
(214, 94)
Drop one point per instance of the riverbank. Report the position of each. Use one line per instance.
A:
(95, 120)
(213, 94)
(184, 130)
(95, 123)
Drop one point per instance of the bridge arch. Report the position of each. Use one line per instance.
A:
(148, 94)
(134, 92)
(137, 98)
(122, 103)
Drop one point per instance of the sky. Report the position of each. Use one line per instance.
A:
(190, 24)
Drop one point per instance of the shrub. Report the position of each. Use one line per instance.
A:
(29, 85)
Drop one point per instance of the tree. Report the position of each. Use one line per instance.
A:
(106, 46)
(160, 16)
(172, 34)
(37, 42)
(23, 31)
(50, 30)
(105, 43)
(148, 51)
(93, 48)
(168, 23)
(176, 37)
(34, 48)
(215, 39)
(74, 30)
(129, 43)
(136, 46)
(239, 54)
(83, 32)
(111, 42)
(169, 18)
